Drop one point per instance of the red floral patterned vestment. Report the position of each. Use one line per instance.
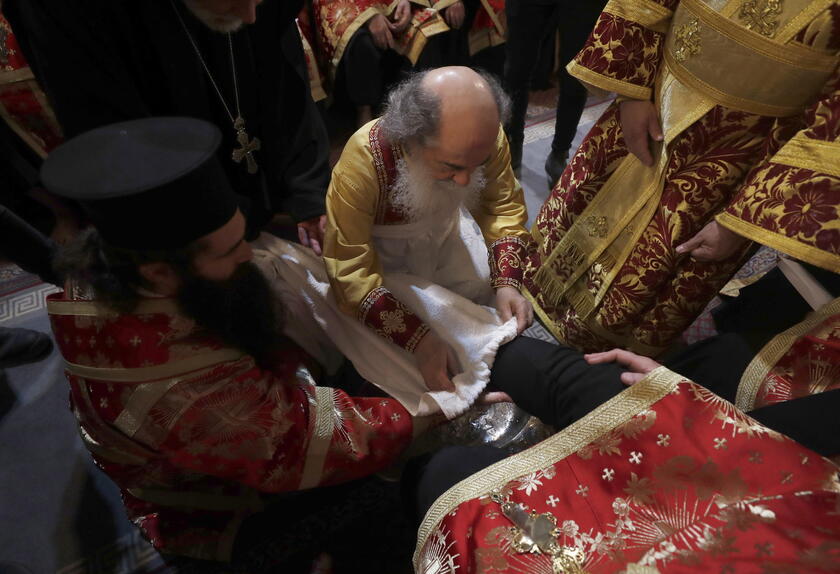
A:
(194, 432)
(772, 177)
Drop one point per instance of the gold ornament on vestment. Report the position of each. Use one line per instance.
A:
(761, 16)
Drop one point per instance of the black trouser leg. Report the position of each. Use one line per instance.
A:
(427, 477)
(528, 22)
(812, 421)
(716, 363)
(551, 382)
(433, 54)
(340, 520)
(576, 22)
(26, 246)
(361, 68)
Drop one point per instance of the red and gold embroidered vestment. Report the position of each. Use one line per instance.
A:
(194, 432)
(747, 95)
(23, 105)
(337, 21)
(663, 478)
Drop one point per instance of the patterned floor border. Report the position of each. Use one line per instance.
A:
(28, 301)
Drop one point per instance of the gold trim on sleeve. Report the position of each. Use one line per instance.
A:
(319, 442)
(148, 374)
(816, 155)
(789, 245)
(144, 397)
(603, 419)
(94, 309)
(766, 359)
(117, 447)
(595, 81)
(13, 76)
(649, 14)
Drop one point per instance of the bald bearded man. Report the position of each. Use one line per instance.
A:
(417, 200)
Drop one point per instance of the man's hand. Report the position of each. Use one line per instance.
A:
(713, 243)
(638, 365)
(493, 397)
(402, 16)
(638, 123)
(380, 31)
(454, 15)
(311, 233)
(437, 362)
(511, 303)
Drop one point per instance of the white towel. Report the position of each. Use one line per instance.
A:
(316, 323)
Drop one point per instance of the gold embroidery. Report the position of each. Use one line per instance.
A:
(597, 226)
(612, 414)
(322, 427)
(538, 534)
(761, 16)
(687, 40)
(392, 321)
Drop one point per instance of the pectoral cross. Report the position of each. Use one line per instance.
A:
(249, 146)
(538, 534)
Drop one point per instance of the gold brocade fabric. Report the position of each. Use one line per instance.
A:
(775, 77)
(606, 272)
(355, 203)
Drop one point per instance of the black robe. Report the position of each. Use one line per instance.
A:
(104, 61)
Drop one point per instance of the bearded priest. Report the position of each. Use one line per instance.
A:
(201, 371)
(419, 201)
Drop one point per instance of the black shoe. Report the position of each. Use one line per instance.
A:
(555, 164)
(22, 346)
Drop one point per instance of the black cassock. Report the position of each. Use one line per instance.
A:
(104, 61)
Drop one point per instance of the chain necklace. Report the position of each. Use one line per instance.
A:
(248, 145)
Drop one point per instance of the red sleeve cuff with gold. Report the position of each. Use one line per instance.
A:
(507, 257)
(792, 203)
(391, 319)
(623, 51)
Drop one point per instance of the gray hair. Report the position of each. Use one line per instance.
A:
(412, 114)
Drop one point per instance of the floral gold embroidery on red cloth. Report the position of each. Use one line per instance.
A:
(391, 319)
(622, 50)
(506, 258)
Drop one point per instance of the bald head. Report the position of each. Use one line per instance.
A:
(466, 99)
(451, 116)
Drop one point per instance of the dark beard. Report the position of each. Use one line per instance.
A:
(241, 310)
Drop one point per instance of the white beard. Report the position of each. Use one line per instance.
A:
(223, 24)
(419, 195)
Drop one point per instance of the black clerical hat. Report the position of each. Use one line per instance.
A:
(152, 183)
